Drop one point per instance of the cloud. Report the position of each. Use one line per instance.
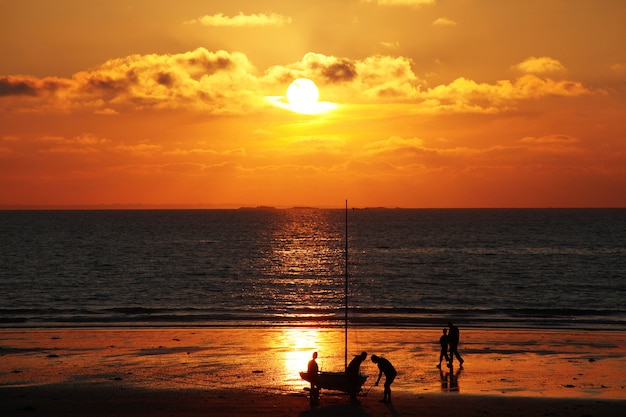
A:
(86, 139)
(328, 69)
(400, 81)
(142, 149)
(463, 95)
(86, 143)
(376, 78)
(241, 20)
(395, 146)
(540, 65)
(391, 79)
(107, 112)
(530, 87)
(399, 151)
(555, 144)
(227, 83)
(398, 154)
(394, 46)
(618, 67)
(24, 85)
(239, 152)
(16, 86)
(216, 82)
(414, 3)
(560, 139)
(444, 21)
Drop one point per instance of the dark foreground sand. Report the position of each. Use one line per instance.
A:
(110, 400)
(254, 372)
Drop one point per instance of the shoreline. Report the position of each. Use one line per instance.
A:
(279, 326)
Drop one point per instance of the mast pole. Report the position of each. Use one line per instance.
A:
(346, 294)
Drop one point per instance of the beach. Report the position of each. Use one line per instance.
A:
(245, 371)
(114, 401)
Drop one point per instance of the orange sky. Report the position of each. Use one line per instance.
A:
(455, 103)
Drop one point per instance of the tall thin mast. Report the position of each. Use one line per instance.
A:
(346, 294)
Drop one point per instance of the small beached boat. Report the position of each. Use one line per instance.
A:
(338, 381)
(334, 381)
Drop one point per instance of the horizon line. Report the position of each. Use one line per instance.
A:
(105, 207)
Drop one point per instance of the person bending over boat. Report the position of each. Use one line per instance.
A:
(353, 374)
(390, 374)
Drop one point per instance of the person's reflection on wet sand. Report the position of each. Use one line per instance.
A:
(444, 342)
(454, 379)
(444, 380)
(450, 380)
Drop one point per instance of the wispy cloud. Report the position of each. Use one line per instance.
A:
(241, 20)
(401, 2)
(444, 21)
(544, 64)
(550, 139)
(394, 46)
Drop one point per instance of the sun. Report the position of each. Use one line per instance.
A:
(302, 97)
(303, 94)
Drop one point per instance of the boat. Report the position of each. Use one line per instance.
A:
(333, 381)
(338, 381)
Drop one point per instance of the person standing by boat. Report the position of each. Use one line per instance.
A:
(313, 371)
(353, 374)
(444, 342)
(386, 368)
(454, 344)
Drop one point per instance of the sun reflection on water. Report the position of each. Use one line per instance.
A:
(299, 345)
(306, 258)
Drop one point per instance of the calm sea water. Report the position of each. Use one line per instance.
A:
(552, 268)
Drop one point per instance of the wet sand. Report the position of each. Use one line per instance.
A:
(107, 400)
(241, 372)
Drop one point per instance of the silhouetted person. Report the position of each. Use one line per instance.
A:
(390, 374)
(454, 344)
(313, 371)
(354, 377)
(444, 341)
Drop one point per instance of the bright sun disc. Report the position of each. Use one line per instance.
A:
(302, 97)
(302, 94)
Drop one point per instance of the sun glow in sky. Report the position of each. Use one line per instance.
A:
(422, 103)
(302, 96)
(302, 92)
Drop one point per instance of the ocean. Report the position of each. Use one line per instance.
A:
(481, 268)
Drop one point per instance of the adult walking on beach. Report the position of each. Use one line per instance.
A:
(386, 368)
(454, 344)
(444, 343)
(353, 374)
